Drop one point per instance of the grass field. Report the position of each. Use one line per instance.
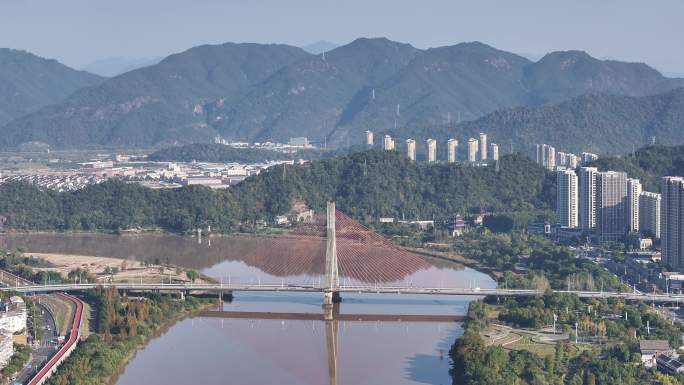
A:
(526, 343)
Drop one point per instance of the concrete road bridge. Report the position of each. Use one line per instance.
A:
(226, 289)
(330, 287)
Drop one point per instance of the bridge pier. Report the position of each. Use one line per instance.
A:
(225, 295)
(330, 312)
(331, 297)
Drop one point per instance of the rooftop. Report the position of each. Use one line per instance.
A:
(654, 345)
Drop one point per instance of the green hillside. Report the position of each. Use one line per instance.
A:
(365, 185)
(605, 124)
(647, 164)
(254, 92)
(163, 103)
(29, 82)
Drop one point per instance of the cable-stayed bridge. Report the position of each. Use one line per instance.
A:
(370, 264)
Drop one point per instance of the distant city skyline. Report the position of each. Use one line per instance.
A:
(79, 32)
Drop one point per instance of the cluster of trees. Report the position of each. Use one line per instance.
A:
(35, 323)
(543, 263)
(365, 185)
(597, 319)
(530, 261)
(22, 353)
(478, 364)
(121, 325)
(22, 266)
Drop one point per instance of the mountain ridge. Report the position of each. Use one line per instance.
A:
(601, 123)
(29, 82)
(255, 92)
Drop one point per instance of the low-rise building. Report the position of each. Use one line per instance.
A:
(669, 364)
(6, 347)
(424, 225)
(281, 220)
(539, 228)
(13, 315)
(457, 226)
(651, 348)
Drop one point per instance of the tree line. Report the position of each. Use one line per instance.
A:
(366, 185)
(616, 362)
(121, 325)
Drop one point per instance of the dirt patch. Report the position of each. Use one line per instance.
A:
(125, 270)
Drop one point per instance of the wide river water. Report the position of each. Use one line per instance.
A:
(263, 350)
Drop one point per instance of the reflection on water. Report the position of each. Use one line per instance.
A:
(212, 350)
(245, 259)
(265, 351)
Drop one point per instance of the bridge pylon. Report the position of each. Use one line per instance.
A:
(331, 293)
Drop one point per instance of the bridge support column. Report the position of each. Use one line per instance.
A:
(181, 295)
(331, 297)
(330, 312)
(331, 292)
(225, 295)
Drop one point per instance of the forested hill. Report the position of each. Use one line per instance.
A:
(162, 103)
(601, 123)
(365, 185)
(29, 82)
(648, 164)
(257, 92)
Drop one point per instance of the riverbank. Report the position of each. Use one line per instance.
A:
(123, 326)
(163, 329)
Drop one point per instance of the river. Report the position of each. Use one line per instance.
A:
(262, 350)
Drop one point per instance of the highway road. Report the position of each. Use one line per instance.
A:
(41, 350)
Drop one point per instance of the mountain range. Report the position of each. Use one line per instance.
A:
(29, 82)
(256, 92)
(117, 65)
(600, 123)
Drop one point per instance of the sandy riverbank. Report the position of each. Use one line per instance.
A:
(125, 269)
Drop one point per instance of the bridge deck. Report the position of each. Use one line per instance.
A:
(189, 287)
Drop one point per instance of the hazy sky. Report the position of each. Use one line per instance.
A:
(78, 32)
